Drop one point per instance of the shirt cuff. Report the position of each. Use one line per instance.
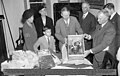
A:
(54, 50)
(91, 51)
(90, 37)
(106, 49)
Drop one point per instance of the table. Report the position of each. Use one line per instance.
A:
(39, 72)
(81, 69)
(75, 64)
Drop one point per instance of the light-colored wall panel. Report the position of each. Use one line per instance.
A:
(14, 10)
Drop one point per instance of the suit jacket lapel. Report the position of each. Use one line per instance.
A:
(99, 31)
(84, 20)
(114, 17)
(104, 27)
(85, 17)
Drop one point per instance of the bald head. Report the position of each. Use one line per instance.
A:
(85, 7)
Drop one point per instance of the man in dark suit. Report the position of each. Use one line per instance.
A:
(102, 38)
(67, 25)
(42, 21)
(88, 25)
(115, 20)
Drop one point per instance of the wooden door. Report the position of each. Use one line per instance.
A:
(3, 51)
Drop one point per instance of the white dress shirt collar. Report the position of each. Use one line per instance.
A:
(112, 15)
(85, 14)
(104, 24)
(67, 21)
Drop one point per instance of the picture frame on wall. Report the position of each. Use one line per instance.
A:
(96, 4)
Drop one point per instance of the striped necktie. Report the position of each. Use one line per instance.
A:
(48, 40)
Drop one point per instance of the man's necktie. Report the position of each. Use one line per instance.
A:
(83, 16)
(48, 40)
(67, 23)
(100, 27)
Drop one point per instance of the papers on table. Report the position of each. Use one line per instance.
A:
(77, 62)
(62, 67)
(88, 67)
(76, 57)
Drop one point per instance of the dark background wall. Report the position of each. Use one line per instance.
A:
(75, 10)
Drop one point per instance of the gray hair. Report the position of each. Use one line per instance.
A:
(87, 4)
(105, 12)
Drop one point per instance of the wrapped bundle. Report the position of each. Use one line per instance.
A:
(18, 55)
(15, 64)
(32, 59)
(21, 60)
(4, 65)
(18, 64)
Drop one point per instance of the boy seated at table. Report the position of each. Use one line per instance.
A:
(47, 45)
(46, 42)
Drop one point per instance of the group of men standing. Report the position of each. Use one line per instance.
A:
(101, 34)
